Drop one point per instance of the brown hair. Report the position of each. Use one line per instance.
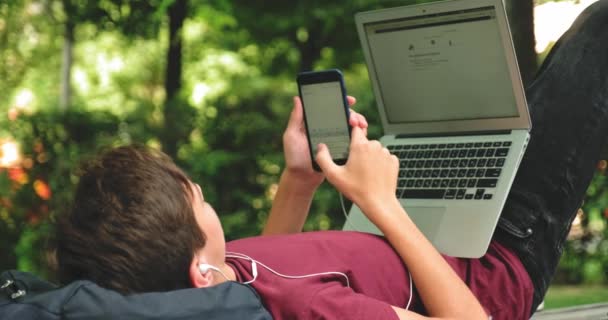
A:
(132, 227)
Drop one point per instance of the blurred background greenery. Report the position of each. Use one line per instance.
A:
(209, 83)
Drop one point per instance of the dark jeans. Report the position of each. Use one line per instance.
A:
(568, 103)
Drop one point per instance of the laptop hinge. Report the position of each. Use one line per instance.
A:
(453, 134)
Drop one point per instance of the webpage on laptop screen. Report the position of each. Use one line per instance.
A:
(448, 66)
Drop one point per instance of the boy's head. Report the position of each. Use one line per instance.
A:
(137, 224)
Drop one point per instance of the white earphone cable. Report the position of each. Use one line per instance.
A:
(253, 261)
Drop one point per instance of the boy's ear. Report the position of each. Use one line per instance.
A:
(197, 278)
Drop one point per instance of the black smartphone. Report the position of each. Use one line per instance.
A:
(326, 113)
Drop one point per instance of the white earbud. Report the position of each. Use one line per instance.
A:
(204, 268)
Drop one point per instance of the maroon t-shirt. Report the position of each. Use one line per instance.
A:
(378, 278)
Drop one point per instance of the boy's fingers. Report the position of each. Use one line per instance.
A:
(324, 159)
(357, 135)
(296, 113)
(351, 100)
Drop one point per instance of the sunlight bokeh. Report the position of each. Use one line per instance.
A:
(552, 19)
(9, 154)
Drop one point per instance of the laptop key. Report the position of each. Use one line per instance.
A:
(493, 173)
(506, 143)
(468, 196)
(427, 184)
(487, 196)
(472, 183)
(450, 194)
(423, 193)
(462, 183)
(487, 183)
(453, 183)
(502, 152)
(479, 194)
(500, 162)
(461, 193)
(462, 173)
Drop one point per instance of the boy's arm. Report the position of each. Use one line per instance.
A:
(372, 167)
(291, 205)
(298, 181)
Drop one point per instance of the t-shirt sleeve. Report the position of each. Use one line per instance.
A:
(338, 302)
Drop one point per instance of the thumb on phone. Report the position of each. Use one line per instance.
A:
(324, 160)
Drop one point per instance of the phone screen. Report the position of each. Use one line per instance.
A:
(326, 117)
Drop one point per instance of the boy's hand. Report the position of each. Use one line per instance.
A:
(295, 143)
(369, 177)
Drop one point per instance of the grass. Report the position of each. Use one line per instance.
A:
(568, 296)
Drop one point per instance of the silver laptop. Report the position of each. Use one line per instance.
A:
(453, 109)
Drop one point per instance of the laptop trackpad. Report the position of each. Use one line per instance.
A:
(427, 219)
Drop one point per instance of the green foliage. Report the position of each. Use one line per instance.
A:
(585, 258)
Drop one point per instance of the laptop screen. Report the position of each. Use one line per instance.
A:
(442, 67)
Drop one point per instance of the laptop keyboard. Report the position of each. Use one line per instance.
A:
(451, 171)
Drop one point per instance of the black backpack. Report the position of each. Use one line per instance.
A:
(24, 296)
